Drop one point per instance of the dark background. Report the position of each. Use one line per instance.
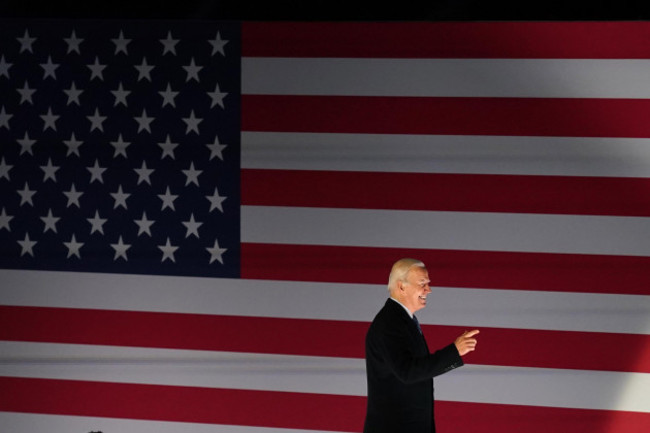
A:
(333, 10)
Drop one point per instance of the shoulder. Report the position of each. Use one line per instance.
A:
(388, 310)
(391, 315)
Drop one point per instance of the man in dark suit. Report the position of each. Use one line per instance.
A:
(399, 366)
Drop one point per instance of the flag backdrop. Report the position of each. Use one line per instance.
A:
(197, 220)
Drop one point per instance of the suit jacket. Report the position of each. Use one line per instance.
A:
(400, 371)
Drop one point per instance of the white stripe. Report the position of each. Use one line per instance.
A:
(334, 376)
(561, 156)
(36, 423)
(532, 78)
(197, 368)
(628, 314)
(481, 231)
(547, 387)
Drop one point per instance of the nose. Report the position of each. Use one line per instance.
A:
(427, 289)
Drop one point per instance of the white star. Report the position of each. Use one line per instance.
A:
(26, 94)
(120, 249)
(27, 245)
(97, 223)
(192, 175)
(168, 251)
(96, 70)
(4, 220)
(192, 227)
(49, 170)
(4, 169)
(168, 148)
(218, 44)
(120, 146)
(168, 96)
(4, 118)
(216, 252)
(73, 43)
(73, 145)
(144, 70)
(73, 196)
(50, 222)
(121, 43)
(96, 172)
(49, 119)
(216, 148)
(120, 198)
(26, 42)
(144, 121)
(144, 225)
(192, 71)
(26, 195)
(26, 144)
(192, 123)
(144, 173)
(217, 97)
(4, 67)
(73, 94)
(73, 247)
(169, 44)
(96, 121)
(49, 68)
(120, 95)
(168, 200)
(215, 201)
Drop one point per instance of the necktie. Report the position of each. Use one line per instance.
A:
(415, 319)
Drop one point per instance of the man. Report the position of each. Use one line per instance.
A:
(399, 366)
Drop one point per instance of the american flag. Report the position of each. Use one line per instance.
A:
(197, 220)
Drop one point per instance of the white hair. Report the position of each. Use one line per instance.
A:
(400, 270)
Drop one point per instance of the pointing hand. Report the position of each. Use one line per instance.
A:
(466, 343)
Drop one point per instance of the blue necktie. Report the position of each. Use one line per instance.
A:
(415, 319)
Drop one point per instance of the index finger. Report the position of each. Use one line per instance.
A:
(471, 333)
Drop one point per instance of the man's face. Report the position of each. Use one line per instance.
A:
(415, 290)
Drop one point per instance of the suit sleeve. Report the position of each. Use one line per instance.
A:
(409, 365)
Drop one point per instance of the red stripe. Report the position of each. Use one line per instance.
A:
(183, 404)
(499, 418)
(182, 331)
(587, 40)
(587, 273)
(534, 348)
(286, 409)
(454, 116)
(447, 192)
